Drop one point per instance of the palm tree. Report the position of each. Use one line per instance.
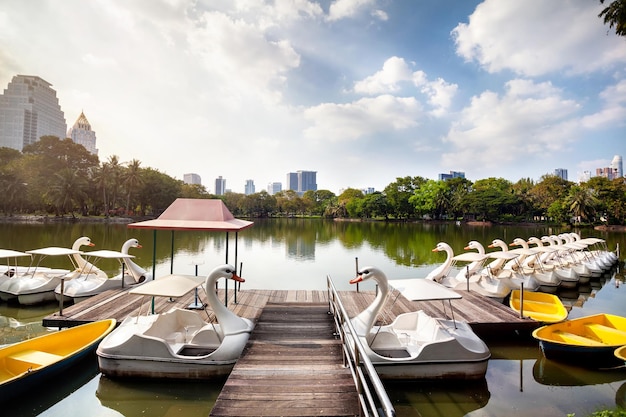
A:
(132, 178)
(115, 174)
(581, 202)
(67, 190)
(100, 178)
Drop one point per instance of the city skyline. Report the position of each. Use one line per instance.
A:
(362, 92)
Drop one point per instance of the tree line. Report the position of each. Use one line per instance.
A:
(59, 177)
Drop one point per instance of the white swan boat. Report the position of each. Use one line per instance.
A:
(36, 285)
(91, 281)
(177, 344)
(10, 267)
(416, 345)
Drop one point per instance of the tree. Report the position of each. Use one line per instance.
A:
(581, 202)
(615, 16)
(431, 198)
(132, 179)
(398, 194)
(492, 198)
(67, 191)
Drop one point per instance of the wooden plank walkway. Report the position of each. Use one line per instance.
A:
(487, 317)
(291, 366)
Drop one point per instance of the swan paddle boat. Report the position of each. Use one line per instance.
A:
(177, 344)
(37, 284)
(588, 341)
(416, 345)
(26, 364)
(539, 306)
(92, 281)
(10, 267)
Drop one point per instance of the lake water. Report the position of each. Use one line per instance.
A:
(299, 254)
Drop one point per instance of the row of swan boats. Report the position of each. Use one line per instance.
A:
(178, 344)
(36, 284)
(554, 262)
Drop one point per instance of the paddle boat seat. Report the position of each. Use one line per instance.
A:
(30, 359)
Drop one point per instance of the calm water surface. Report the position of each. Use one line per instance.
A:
(299, 254)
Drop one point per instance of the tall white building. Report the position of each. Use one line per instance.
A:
(192, 178)
(249, 187)
(617, 167)
(29, 109)
(274, 187)
(82, 134)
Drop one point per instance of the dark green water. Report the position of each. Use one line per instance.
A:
(299, 254)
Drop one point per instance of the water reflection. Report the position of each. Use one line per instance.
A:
(547, 372)
(154, 398)
(438, 398)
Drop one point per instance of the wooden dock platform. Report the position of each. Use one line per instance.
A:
(291, 366)
(487, 317)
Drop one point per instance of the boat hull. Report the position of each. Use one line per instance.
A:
(35, 361)
(137, 367)
(587, 341)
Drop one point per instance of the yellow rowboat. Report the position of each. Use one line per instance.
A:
(588, 341)
(30, 362)
(539, 306)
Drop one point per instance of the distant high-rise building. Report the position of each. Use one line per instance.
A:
(274, 187)
(452, 174)
(585, 176)
(82, 134)
(302, 181)
(616, 165)
(292, 181)
(29, 109)
(220, 186)
(192, 178)
(249, 187)
(561, 173)
(307, 181)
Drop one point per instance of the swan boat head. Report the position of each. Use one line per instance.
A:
(438, 273)
(137, 272)
(364, 321)
(230, 323)
(474, 244)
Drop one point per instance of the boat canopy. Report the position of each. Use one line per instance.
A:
(195, 214)
(169, 286)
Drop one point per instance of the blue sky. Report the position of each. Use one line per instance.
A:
(361, 91)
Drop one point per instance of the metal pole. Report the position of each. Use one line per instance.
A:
(226, 281)
(61, 300)
(356, 262)
(236, 249)
(172, 255)
(521, 301)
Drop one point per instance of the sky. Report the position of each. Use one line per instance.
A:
(360, 91)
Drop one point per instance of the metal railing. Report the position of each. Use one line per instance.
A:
(373, 397)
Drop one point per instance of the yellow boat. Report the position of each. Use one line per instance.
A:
(30, 362)
(588, 341)
(539, 306)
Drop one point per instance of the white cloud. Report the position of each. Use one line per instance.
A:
(613, 111)
(530, 120)
(342, 9)
(367, 116)
(396, 73)
(535, 37)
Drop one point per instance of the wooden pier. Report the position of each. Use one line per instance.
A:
(291, 366)
(487, 317)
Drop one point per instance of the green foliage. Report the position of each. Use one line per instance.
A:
(615, 16)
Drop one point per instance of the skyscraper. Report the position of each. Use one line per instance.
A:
(616, 165)
(192, 178)
(561, 173)
(82, 134)
(292, 181)
(274, 187)
(220, 186)
(307, 181)
(249, 187)
(29, 109)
